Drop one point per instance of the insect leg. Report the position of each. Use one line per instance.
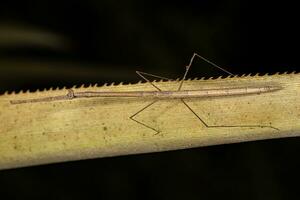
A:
(141, 123)
(225, 126)
(191, 62)
(209, 62)
(141, 74)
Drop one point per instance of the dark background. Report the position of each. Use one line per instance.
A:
(47, 44)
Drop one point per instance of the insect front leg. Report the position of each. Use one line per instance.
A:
(142, 75)
(141, 123)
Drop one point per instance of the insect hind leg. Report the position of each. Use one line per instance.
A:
(225, 126)
(202, 58)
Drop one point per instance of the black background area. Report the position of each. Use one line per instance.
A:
(106, 41)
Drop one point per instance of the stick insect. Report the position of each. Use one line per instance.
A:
(177, 94)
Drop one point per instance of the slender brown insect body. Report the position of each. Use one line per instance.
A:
(177, 94)
(186, 94)
(183, 93)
